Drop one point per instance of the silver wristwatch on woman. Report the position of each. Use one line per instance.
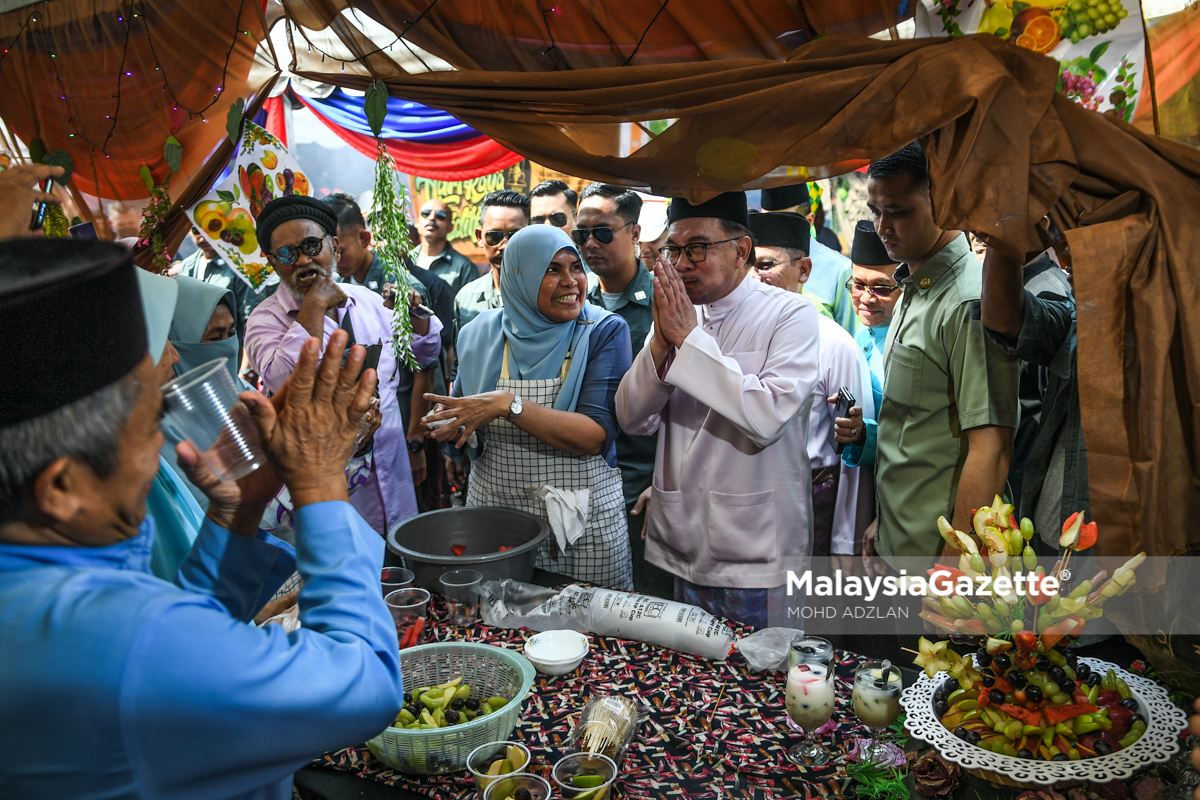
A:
(515, 409)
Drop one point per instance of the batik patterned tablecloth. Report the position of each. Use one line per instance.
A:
(716, 731)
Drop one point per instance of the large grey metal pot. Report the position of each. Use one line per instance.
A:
(424, 543)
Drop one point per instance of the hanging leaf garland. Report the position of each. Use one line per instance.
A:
(155, 212)
(389, 222)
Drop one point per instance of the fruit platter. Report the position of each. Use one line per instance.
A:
(1006, 697)
(986, 753)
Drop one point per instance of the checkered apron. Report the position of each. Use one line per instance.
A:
(513, 460)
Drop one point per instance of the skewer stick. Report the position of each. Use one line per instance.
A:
(717, 704)
(914, 652)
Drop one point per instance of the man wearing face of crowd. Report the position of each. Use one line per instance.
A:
(727, 382)
(949, 394)
(501, 214)
(179, 695)
(298, 235)
(607, 236)
(554, 203)
(437, 254)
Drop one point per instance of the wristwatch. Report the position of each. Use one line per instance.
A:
(415, 445)
(515, 409)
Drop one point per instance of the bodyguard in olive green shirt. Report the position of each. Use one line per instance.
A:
(949, 394)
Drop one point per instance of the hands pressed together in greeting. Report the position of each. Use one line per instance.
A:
(674, 314)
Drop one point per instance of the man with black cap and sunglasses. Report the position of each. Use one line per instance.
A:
(727, 382)
(436, 254)
(299, 236)
(178, 694)
(875, 294)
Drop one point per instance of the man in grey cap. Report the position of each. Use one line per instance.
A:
(299, 236)
(726, 382)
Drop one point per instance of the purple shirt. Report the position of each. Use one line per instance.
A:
(273, 342)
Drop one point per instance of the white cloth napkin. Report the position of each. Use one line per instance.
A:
(567, 509)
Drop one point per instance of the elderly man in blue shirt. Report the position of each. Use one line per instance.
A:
(118, 684)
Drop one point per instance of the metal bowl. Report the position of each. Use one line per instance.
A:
(425, 542)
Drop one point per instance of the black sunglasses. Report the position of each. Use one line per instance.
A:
(603, 235)
(494, 238)
(557, 219)
(290, 253)
(879, 291)
(440, 214)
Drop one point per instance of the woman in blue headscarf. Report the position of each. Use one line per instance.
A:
(202, 330)
(537, 379)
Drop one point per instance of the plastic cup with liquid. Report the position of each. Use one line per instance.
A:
(203, 405)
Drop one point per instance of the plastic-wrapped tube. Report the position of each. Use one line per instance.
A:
(688, 629)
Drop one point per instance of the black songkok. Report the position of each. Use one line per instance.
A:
(868, 250)
(782, 197)
(290, 207)
(729, 206)
(780, 229)
(71, 322)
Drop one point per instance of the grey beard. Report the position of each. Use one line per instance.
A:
(294, 291)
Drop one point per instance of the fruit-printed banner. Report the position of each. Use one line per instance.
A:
(263, 170)
(1100, 45)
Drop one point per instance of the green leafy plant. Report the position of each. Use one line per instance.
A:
(877, 781)
(389, 215)
(155, 212)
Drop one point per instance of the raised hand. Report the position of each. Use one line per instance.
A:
(17, 196)
(672, 308)
(310, 439)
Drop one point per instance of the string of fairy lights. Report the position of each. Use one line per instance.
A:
(130, 15)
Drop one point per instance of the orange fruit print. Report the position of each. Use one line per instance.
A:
(1041, 34)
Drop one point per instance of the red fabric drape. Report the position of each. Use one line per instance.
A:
(276, 121)
(444, 162)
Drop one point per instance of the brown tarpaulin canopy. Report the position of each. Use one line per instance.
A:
(1004, 150)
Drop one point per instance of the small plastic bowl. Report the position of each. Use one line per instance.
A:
(557, 652)
(539, 787)
(577, 764)
(482, 757)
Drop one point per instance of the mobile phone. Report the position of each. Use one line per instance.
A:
(84, 230)
(39, 209)
(374, 351)
(845, 401)
(420, 311)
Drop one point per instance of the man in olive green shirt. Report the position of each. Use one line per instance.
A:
(949, 395)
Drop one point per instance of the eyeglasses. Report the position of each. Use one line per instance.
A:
(290, 253)
(767, 266)
(878, 291)
(440, 214)
(557, 219)
(696, 252)
(494, 238)
(604, 235)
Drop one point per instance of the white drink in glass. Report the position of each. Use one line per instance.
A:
(809, 695)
